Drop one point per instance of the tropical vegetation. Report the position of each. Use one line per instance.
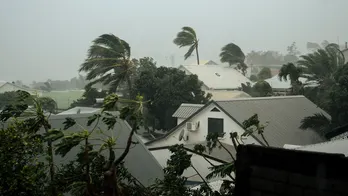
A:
(232, 54)
(108, 62)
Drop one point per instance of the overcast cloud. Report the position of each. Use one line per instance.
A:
(42, 39)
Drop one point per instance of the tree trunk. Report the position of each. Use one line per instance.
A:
(51, 163)
(197, 54)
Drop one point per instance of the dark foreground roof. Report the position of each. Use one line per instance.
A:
(139, 161)
(284, 115)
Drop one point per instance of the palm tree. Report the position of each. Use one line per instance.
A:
(232, 54)
(187, 37)
(109, 62)
(323, 69)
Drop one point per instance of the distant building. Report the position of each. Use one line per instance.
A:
(9, 87)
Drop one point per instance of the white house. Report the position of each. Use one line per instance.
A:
(283, 114)
(222, 81)
(8, 87)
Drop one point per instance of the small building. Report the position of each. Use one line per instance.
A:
(80, 110)
(9, 87)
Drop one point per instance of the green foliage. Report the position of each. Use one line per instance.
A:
(48, 104)
(165, 89)
(265, 58)
(264, 74)
(259, 89)
(254, 78)
(232, 54)
(21, 172)
(187, 37)
(89, 97)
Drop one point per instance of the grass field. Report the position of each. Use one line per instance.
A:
(64, 98)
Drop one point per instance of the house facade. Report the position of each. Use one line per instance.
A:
(281, 115)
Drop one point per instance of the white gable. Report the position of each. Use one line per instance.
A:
(199, 135)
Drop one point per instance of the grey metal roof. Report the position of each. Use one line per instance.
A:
(219, 153)
(146, 171)
(284, 115)
(186, 110)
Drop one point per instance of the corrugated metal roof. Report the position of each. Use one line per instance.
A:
(81, 110)
(284, 115)
(186, 110)
(337, 146)
(2, 82)
(220, 95)
(217, 76)
(277, 84)
(150, 169)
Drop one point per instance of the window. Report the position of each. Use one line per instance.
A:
(216, 125)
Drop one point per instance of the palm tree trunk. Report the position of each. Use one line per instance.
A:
(197, 54)
(51, 163)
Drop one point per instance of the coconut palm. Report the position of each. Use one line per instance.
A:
(322, 68)
(187, 37)
(232, 54)
(109, 62)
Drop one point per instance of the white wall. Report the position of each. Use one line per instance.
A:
(202, 132)
(345, 53)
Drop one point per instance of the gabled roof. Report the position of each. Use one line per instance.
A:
(146, 173)
(284, 115)
(217, 76)
(186, 110)
(80, 110)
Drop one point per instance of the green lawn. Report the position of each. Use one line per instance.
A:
(64, 98)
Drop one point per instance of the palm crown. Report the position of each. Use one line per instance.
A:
(108, 62)
(187, 37)
(232, 54)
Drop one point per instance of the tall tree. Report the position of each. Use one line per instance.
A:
(188, 37)
(232, 54)
(109, 62)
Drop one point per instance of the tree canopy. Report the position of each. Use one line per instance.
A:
(166, 88)
(232, 54)
(108, 62)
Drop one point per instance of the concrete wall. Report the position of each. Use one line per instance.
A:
(200, 134)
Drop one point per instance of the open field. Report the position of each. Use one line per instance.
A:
(64, 98)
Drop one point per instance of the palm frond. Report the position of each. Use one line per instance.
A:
(189, 52)
(190, 30)
(232, 54)
(318, 122)
(222, 170)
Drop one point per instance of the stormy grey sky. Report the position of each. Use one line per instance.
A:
(42, 39)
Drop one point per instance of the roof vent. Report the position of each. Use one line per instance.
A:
(217, 74)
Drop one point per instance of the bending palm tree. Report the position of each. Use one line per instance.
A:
(232, 54)
(320, 68)
(109, 63)
(187, 37)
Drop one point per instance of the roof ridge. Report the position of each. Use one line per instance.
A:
(262, 98)
(321, 143)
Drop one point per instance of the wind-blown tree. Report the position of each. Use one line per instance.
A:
(264, 74)
(318, 68)
(232, 54)
(335, 104)
(108, 62)
(187, 37)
